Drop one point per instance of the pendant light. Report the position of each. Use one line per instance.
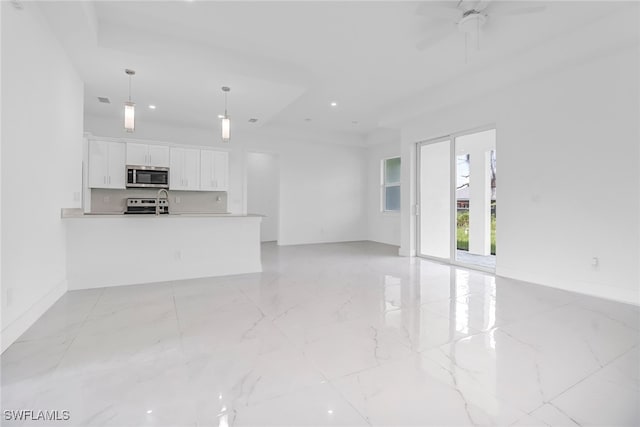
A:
(130, 107)
(226, 123)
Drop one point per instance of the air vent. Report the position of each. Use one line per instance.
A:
(104, 100)
(253, 120)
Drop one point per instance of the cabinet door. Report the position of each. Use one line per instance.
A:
(158, 156)
(98, 164)
(137, 154)
(221, 171)
(191, 170)
(117, 170)
(206, 170)
(176, 168)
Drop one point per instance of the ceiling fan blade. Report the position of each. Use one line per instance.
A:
(517, 11)
(434, 39)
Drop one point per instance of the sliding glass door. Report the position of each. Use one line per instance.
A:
(434, 199)
(456, 209)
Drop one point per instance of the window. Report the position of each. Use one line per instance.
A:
(390, 184)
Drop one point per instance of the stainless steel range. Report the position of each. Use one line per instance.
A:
(147, 205)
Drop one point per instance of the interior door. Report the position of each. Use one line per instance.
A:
(434, 199)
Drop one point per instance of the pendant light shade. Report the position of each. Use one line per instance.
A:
(129, 107)
(226, 123)
(226, 129)
(129, 116)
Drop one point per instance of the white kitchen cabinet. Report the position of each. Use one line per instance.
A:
(214, 170)
(158, 155)
(184, 169)
(147, 155)
(106, 164)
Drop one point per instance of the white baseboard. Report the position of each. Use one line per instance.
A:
(12, 331)
(613, 293)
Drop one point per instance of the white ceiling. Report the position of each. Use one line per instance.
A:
(286, 61)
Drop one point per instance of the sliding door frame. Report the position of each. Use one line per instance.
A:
(453, 246)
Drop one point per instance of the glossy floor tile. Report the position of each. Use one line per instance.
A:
(335, 334)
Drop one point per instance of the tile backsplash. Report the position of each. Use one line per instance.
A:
(112, 201)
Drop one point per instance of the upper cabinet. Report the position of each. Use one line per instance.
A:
(190, 169)
(184, 172)
(214, 170)
(106, 164)
(147, 155)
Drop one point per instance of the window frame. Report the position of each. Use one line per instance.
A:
(384, 185)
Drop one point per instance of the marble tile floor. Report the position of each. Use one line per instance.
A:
(333, 334)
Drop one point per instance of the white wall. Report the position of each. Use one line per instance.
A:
(42, 103)
(322, 184)
(383, 227)
(263, 182)
(568, 183)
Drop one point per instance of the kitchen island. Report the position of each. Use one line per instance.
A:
(113, 250)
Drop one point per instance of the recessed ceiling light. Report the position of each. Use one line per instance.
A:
(104, 100)
(253, 120)
(354, 122)
(334, 104)
(307, 119)
(149, 411)
(152, 107)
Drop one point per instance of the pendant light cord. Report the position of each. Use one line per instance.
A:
(129, 87)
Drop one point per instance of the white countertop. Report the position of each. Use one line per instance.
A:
(74, 213)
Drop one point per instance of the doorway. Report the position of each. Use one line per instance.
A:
(456, 213)
(263, 183)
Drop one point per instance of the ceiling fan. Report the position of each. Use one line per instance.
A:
(468, 17)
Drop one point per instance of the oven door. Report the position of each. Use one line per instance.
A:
(148, 177)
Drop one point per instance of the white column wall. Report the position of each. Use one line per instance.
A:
(479, 203)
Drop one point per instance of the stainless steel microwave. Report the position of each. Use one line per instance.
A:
(147, 176)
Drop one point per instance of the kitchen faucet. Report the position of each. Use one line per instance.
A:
(158, 200)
